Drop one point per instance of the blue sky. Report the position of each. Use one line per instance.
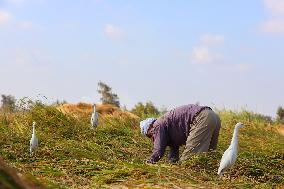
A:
(225, 54)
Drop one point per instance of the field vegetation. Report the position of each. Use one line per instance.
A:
(72, 155)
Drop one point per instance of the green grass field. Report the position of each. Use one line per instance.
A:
(72, 155)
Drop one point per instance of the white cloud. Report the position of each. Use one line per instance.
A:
(16, 2)
(206, 54)
(112, 31)
(241, 67)
(25, 25)
(211, 39)
(203, 55)
(5, 17)
(274, 6)
(273, 26)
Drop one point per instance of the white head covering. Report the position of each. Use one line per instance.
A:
(145, 124)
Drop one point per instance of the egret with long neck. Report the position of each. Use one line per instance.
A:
(33, 141)
(230, 155)
(94, 118)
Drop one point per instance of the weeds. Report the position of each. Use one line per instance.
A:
(72, 155)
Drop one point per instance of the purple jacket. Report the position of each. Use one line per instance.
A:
(172, 130)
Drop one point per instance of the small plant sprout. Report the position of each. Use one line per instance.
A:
(230, 155)
(94, 118)
(33, 141)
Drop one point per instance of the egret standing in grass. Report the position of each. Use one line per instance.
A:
(230, 155)
(94, 118)
(33, 141)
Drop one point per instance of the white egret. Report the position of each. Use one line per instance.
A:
(33, 141)
(230, 155)
(94, 118)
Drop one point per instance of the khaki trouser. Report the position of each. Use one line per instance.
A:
(203, 134)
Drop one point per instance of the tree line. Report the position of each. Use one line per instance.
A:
(8, 104)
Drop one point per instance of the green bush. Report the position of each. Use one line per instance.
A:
(147, 110)
(280, 114)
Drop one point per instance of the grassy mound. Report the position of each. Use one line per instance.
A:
(11, 179)
(72, 155)
(85, 109)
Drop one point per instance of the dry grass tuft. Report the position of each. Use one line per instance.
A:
(86, 109)
(281, 130)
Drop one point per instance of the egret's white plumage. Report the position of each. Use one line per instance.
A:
(94, 118)
(230, 155)
(33, 141)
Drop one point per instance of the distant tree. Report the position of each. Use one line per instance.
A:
(280, 114)
(8, 103)
(146, 110)
(107, 97)
(151, 109)
(139, 109)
